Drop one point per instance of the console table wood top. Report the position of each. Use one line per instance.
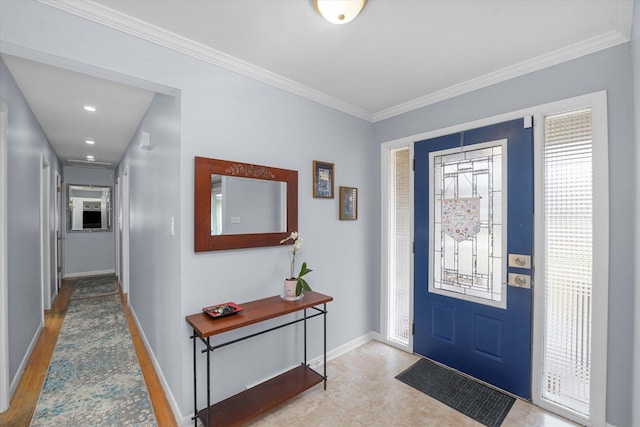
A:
(253, 312)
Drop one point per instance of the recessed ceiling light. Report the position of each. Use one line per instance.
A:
(91, 158)
(89, 141)
(90, 108)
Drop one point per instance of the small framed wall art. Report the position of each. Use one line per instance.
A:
(348, 203)
(323, 177)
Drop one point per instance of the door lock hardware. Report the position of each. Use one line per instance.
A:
(519, 261)
(520, 280)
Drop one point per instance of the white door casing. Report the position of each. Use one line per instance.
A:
(45, 238)
(4, 279)
(125, 231)
(117, 221)
(58, 231)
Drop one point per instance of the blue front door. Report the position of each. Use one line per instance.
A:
(471, 189)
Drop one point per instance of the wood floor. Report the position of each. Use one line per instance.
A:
(26, 396)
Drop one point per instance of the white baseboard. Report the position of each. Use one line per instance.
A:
(345, 348)
(165, 386)
(88, 273)
(25, 360)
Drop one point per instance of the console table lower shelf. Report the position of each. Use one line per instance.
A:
(242, 407)
(257, 400)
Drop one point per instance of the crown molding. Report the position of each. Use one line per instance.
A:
(624, 17)
(574, 51)
(113, 19)
(98, 13)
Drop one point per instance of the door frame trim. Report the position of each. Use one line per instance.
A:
(125, 232)
(4, 276)
(600, 375)
(58, 226)
(45, 232)
(116, 221)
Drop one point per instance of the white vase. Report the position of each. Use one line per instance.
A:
(290, 290)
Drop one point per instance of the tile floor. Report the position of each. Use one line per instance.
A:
(362, 391)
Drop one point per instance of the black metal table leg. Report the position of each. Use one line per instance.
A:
(195, 388)
(325, 345)
(305, 336)
(208, 381)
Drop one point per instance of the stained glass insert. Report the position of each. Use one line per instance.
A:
(466, 223)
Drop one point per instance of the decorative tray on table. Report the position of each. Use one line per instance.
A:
(222, 310)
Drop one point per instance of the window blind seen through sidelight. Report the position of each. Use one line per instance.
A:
(399, 261)
(568, 224)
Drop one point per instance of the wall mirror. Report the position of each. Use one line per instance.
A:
(88, 208)
(241, 205)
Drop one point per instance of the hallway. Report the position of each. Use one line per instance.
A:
(26, 396)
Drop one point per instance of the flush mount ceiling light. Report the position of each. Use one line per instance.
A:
(339, 11)
(91, 158)
(89, 141)
(90, 108)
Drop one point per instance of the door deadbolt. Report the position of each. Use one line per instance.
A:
(519, 261)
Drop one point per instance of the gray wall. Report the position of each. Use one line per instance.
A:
(87, 253)
(635, 45)
(26, 144)
(154, 279)
(609, 70)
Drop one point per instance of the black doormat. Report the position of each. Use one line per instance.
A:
(475, 400)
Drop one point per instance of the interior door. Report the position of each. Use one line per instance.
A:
(473, 233)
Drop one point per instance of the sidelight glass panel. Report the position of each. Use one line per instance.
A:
(568, 224)
(399, 246)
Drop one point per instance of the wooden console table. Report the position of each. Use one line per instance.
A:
(255, 401)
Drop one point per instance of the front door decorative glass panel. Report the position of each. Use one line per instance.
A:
(467, 222)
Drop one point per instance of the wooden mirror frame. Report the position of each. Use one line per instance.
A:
(204, 168)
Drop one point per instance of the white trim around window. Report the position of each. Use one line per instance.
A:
(385, 153)
(600, 276)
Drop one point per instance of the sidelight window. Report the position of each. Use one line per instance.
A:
(568, 249)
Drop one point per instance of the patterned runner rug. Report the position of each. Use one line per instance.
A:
(89, 287)
(94, 378)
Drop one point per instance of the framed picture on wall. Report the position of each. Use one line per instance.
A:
(348, 203)
(323, 180)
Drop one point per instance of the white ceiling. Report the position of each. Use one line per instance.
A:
(396, 56)
(57, 98)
